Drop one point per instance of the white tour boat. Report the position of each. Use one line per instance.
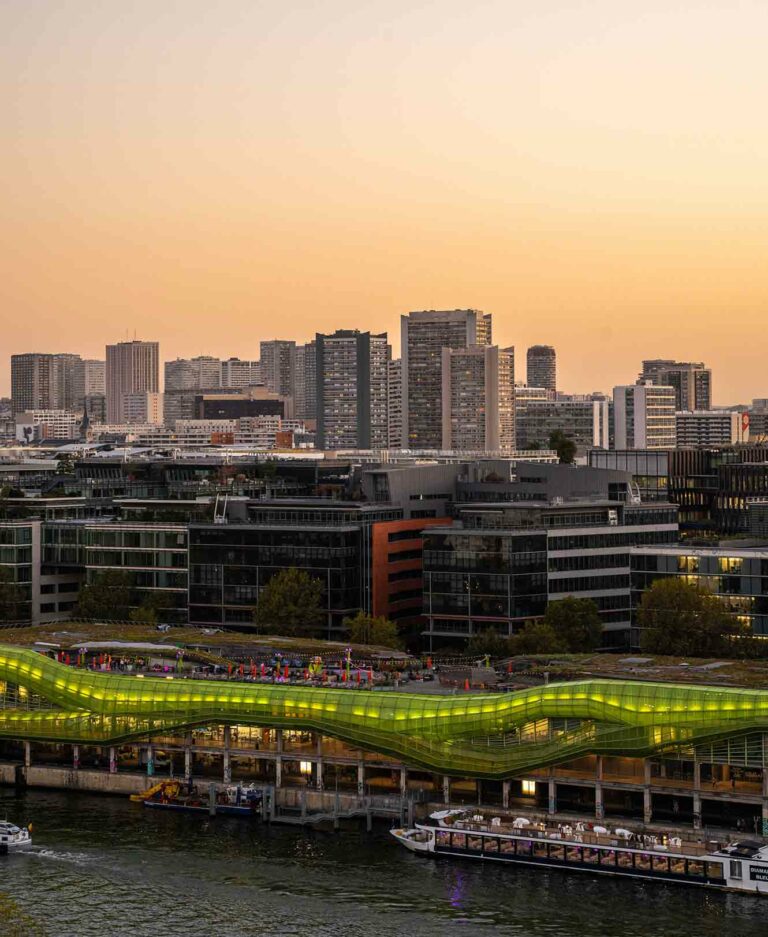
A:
(13, 837)
(741, 866)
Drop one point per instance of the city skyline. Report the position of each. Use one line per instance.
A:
(593, 176)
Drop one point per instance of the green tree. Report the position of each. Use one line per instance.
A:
(537, 637)
(153, 608)
(683, 619)
(107, 597)
(490, 643)
(576, 623)
(563, 445)
(290, 603)
(12, 606)
(365, 629)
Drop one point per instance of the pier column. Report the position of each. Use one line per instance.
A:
(647, 801)
(696, 810)
(187, 763)
(278, 772)
(505, 794)
(551, 796)
(150, 760)
(113, 760)
(599, 808)
(764, 831)
(27, 754)
(696, 793)
(227, 763)
(403, 782)
(360, 778)
(319, 770)
(279, 739)
(76, 757)
(227, 774)
(446, 789)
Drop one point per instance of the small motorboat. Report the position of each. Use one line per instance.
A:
(417, 840)
(13, 837)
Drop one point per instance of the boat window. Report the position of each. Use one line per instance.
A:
(475, 843)
(624, 860)
(642, 861)
(573, 854)
(557, 852)
(660, 864)
(523, 847)
(695, 868)
(443, 838)
(540, 850)
(591, 856)
(607, 857)
(735, 868)
(490, 844)
(508, 845)
(715, 870)
(677, 865)
(459, 840)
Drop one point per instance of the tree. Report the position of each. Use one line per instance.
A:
(576, 623)
(563, 445)
(365, 629)
(290, 603)
(683, 619)
(11, 598)
(152, 609)
(537, 637)
(107, 597)
(488, 643)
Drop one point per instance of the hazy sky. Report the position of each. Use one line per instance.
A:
(209, 174)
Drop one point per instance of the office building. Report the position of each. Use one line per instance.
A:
(36, 425)
(584, 419)
(501, 565)
(198, 373)
(278, 366)
(238, 373)
(395, 404)
(737, 574)
(692, 381)
(702, 429)
(644, 417)
(424, 335)
(255, 401)
(478, 399)
(144, 407)
(44, 382)
(352, 379)
(89, 380)
(132, 368)
(305, 390)
(541, 367)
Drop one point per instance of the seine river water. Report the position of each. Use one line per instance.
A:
(104, 866)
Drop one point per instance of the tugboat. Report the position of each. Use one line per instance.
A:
(13, 837)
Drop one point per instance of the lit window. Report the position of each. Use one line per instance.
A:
(305, 767)
(529, 787)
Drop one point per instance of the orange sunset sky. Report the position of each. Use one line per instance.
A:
(209, 174)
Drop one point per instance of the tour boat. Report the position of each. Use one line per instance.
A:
(13, 837)
(741, 866)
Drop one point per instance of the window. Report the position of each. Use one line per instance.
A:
(528, 787)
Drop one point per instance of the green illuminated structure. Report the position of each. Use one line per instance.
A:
(470, 735)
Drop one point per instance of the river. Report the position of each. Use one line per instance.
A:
(101, 866)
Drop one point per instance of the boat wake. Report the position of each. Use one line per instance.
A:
(77, 858)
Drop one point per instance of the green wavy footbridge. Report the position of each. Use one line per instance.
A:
(467, 735)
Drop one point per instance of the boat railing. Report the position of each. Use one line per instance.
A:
(647, 842)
